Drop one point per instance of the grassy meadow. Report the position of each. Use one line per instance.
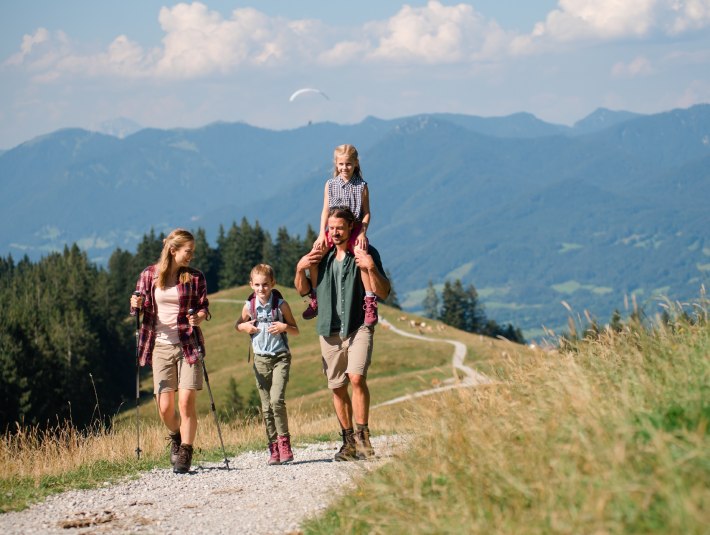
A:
(35, 464)
(605, 435)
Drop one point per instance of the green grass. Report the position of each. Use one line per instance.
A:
(35, 466)
(611, 435)
(17, 492)
(227, 356)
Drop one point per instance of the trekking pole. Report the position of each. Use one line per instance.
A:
(138, 382)
(207, 380)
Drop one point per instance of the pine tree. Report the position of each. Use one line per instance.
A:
(474, 317)
(229, 264)
(453, 305)
(147, 252)
(206, 260)
(431, 302)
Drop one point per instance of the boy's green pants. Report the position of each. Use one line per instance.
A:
(271, 373)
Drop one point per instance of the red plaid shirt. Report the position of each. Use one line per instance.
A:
(192, 294)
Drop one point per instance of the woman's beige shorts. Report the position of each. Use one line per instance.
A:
(171, 371)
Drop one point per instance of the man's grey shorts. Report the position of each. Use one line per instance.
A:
(350, 356)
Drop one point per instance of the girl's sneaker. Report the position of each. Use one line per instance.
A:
(312, 310)
(285, 449)
(274, 457)
(370, 307)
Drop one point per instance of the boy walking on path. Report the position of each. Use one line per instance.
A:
(267, 318)
(346, 341)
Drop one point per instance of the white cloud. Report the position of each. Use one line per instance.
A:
(690, 15)
(435, 34)
(605, 20)
(639, 66)
(199, 42)
(345, 52)
(41, 35)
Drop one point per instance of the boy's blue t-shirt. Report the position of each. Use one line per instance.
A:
(263, 342)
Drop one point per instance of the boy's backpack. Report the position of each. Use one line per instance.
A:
(276, 314)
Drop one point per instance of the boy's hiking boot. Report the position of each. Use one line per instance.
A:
(312, 309)
(347, 451)
(285, 451)
(370, 307)
(363, 446)
(274, 456)
(184, 459)
(175, 441)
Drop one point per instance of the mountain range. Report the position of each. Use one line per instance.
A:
(531, 213)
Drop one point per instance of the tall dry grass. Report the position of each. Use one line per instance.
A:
(609, 435)
(34, 462)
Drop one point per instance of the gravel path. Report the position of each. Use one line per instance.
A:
(250, 498)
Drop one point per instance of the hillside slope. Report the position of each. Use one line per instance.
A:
(400, 365)
(528, 212)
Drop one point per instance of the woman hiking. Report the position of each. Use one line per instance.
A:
(165, 291)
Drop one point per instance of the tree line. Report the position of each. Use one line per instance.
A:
(459, 307)
(66, 341)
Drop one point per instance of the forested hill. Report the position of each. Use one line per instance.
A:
(529, 212)
(66, 347)
(66, 342)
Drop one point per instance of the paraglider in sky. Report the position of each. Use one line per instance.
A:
(306, 90)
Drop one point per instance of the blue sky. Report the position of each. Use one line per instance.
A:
(79, 63)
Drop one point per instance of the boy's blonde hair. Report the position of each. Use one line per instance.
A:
(263, 269)
(177, 238)
(351, 152)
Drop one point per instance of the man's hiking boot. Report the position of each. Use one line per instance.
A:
(370, 307)
(312, 309)
(347, 450)
(285, 451)
(363, 446)
(184, 459)
(274, 456)
(175, 441)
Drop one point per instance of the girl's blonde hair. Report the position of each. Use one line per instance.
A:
(177, 239)
(351, 152)
(263, 269)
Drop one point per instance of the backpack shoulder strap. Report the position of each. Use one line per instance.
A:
(276, 300)
(251, 301)
(276, 314)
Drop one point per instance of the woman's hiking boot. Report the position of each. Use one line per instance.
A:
(347, 451)
(274, 456)
(175, 441)
(370, 307)
(312, 309)
(184, 459)
(363, 446)
(285, 450)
